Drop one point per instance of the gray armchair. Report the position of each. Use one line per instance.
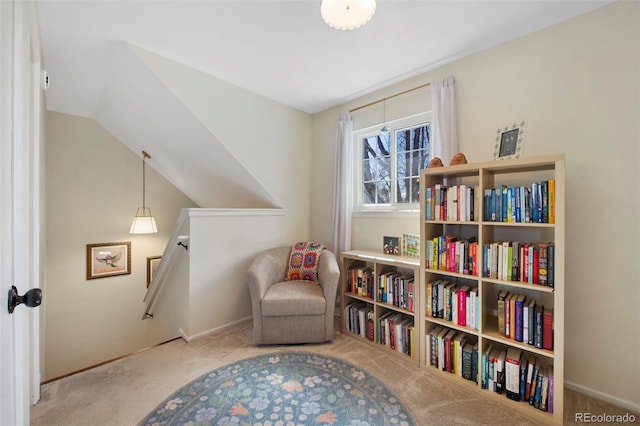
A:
(287, 312)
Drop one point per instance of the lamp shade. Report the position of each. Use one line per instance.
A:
(347, 14)
(143, 222)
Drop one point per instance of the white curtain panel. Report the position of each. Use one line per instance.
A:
(444, 134)
(342, 193)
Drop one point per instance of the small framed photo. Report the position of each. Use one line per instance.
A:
(152, 265)
(391, 245)
(509, 141)
(108, 259)
(411, 245)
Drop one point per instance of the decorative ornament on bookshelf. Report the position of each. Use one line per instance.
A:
(411, 245)
(435, 162)
(509, 141)
(391, 245)
(458, 159)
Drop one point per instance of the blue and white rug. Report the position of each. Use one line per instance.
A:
(283, 388)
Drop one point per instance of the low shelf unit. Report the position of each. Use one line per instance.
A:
(492, 274)
(380, 300)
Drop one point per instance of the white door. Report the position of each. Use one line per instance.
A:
(19, 209)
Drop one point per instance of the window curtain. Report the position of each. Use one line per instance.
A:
(341, 225)
(444, 135)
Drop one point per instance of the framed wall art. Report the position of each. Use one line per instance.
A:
(509, 141)
(411, 245)
(108, 259)
(391, 245)
(152, 265)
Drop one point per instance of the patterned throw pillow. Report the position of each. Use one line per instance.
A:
(303, 261)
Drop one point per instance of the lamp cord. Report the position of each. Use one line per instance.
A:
(143, 182)
(145, 155)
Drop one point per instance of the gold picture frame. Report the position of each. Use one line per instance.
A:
(509, 141)
(108, 259)
(152, 265)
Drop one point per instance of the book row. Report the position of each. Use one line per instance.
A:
(391, 329)
(524, 262)
(360, 282)
(458, 203)
(534, 203)
(522, 377)
(524, 320)
(448, 253)
(452, 302)
(394, 288)
(506, 260)
(453, 351)
(524, 204)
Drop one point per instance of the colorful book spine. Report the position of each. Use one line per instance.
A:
(551, 251)
(547, 329)
(537, 336)
(501, 311)
(545, 200)
(519, 317)
(552, 201)
(550, 397)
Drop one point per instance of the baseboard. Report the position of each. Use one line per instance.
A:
(64, 376)
(189, 338)
(629, 405)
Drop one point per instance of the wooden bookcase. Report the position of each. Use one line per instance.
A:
(481, 177)
(379, 266)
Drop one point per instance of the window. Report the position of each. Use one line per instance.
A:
(389, 163)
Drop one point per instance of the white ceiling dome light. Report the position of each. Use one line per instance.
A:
(347, 14)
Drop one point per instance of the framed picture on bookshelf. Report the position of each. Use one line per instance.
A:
(509, 141)
(108, 259)
(152, 265)
(391, 245)
(411, 245)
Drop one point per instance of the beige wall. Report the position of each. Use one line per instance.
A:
(93, 187)
(577, 84)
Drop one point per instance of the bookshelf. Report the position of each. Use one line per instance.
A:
(482, 272)
(381, 268)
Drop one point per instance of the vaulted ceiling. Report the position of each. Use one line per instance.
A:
(98, 53)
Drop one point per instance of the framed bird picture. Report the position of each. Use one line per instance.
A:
(108, 259)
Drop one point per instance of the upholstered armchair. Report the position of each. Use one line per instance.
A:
(288, 312)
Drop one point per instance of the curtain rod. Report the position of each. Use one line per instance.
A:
(389, 97)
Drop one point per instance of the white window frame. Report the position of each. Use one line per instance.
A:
(392, 126)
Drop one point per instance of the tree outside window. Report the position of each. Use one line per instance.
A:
(391, 164)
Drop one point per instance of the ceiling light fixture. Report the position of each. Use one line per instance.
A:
(347, 14)
(143, 222)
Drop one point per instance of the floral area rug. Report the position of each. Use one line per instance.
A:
(283, 388)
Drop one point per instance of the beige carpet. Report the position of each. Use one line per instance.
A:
(125, 391)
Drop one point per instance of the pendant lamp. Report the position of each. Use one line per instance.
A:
(143, 222)
(347, 14)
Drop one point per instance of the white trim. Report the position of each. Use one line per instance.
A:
(21, 207)
(8, 391)
(234, 212)
(190, 338)
(630, 405)
(387, 214)
(393, 126)
(35, 214)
